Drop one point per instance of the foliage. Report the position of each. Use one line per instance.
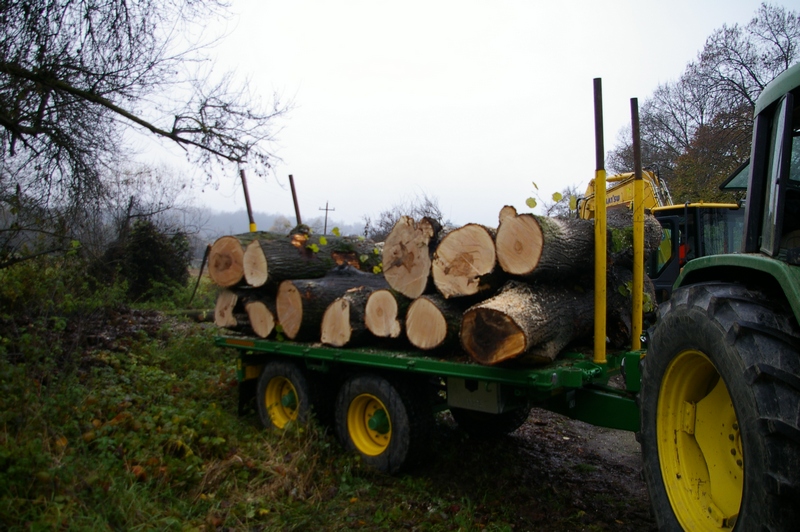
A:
(697, 129)
(562, 204)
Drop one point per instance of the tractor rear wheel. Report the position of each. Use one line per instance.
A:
(720, 405)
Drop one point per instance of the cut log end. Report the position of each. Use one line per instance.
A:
(289, 305)
(335, 329)
(381, 315)
(223, 310)
(519, 244)
(490, 336)
(406, 256)
(426, 327)
(261, 319)
(225, 261)
(462, 259)
(254, 264)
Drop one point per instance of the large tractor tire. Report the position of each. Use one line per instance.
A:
(283, 395)
(388, 423)
(483, 425)
(720, 405)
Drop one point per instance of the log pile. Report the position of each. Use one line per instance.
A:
(522, 292)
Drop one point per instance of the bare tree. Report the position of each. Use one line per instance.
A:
(418, 208)
(74, 75)
(696, 129)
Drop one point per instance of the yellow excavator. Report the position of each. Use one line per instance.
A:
(689, 230)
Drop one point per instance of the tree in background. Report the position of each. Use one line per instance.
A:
(75, 76)
(418, 208)
(697, 129)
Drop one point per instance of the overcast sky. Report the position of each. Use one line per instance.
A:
(466, 101)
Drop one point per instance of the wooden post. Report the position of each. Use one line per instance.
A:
(294, 198)
(253, 228)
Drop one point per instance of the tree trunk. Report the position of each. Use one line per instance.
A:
(465, 261)
(385, 308)
(300, 256)
(536, 322)
(407, 255)
(433, 322)
(301, 303)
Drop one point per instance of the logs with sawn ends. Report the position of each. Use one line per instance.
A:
(303, 256)
(245, 310)
(433, 322)
(301, 303)
(535, 322)
(384, 310)
(464, 262)
(407, 255)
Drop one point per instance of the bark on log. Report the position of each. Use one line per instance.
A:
(433, 322)
(301, 303)
(343, 322)
(407, 255)
(385, 308)
(619, 284)
(302, 256)
(464, 262)
(534, 321)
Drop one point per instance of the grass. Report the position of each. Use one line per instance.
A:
(138, 428)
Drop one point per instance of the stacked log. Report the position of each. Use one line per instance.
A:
(521, 292)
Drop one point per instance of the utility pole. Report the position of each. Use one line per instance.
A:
(326, 209)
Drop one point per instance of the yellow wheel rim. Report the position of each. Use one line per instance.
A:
(281, 401)
(369, 425)
(699, 444)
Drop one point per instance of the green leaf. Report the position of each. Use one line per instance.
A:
(557, 196)
(314, 248)
(363, 258)
(336, 231)
(573, 202)
(323, 241)
(534, 185)
(376, 251)
(531, 202)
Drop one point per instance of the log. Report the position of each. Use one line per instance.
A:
(384, 310)
(528, 244)
(224, 309)
(464, 262)
(619, 304)
(303, 256)
(301, 303)
(343, 322)
(433, 322)
(261, 315)
(531, 321)
(541, 247)
(407, 255)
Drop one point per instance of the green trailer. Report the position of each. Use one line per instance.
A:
(715, 401)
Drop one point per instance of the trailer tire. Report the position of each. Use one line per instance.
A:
(484, 425)
(720, 405)
(389, 424)
(283, 395)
